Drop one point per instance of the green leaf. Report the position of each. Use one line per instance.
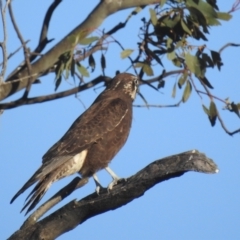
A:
(91, 62)
(171, 55)
(213, 3)
(153, 16)
(208, 61)
(216, 59)
(84, 72)
(197, 16)
(162, 2)
(235, 108)
(212, 113)
(72, 69)
(205, 81)
(174, 90)
(224, 16)
(66, 73)
(177, 62)
(185, 27)
(206, 9)
(182, 80)
(169, 43)
(155, 56)
(103, 62)
(58, 81)
(171, 22)
(139, 64)
(59, 69)
(213, 21)
(194, 65)
(87, 41)
(187, 92)
(148, 70)
(212, 109)
(205, 109)
(126, 53)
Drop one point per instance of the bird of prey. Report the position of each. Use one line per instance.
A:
(91, 142)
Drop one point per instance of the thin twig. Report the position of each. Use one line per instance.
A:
(159, 105)
(14, 52)
(164, 75)
(25, 50)
(4, 43)
(99, 44)
(43, 40)
(218, 114)
(96, 47)
(195, 88)
(228, 45)
(224, 127)
(212, 96)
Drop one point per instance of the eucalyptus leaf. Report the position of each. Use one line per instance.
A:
(87, 41)
(126, 53)
(187, 92)
(148, 69)
(83, 71)
(174, 90)
(153, 16)
(224, 16)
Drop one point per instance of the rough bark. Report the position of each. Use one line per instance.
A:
(76, 212)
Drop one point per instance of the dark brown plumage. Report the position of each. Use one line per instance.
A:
(91, 142)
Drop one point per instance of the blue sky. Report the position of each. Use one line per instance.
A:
(194, 206)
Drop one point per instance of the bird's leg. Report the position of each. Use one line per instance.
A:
(98, 185)
(114, 177)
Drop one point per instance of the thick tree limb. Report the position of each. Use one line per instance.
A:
(93, 21)
(76, 212)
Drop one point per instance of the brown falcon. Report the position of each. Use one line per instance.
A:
(91, 142)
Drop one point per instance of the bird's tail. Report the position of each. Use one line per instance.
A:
(43, 184)
(37, 193)
(28, 184)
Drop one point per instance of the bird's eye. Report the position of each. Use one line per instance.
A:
(136, 81)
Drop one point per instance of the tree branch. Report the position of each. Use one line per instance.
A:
(76, 212)
(93, 21)
(54, 96)
(43, 39)
(159, 105)
(4, 43)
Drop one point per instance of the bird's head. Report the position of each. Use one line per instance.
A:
(126, 83)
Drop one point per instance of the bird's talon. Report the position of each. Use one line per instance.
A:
(98, 190)
(112, 184)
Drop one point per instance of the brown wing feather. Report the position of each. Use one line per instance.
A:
(100, 118)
